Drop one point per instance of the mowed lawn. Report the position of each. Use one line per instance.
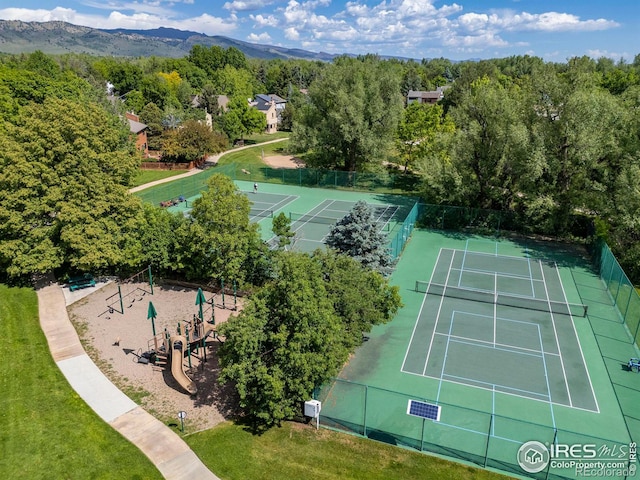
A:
(300, 452)
(48, 432)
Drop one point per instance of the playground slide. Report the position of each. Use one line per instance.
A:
(178, 344)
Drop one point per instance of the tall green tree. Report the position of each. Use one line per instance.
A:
(64, 167)
(418, 131)
(298, 330)
(191, 142)
(351, 115)
(496, 149)
(218, 238)
(358, 236)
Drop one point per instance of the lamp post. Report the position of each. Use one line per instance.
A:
(182, 415)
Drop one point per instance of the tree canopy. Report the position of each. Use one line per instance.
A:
(351, 115)
(290, 338)
(357, 235)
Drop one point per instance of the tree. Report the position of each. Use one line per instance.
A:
(64, 166)
(281, 227)
(191, 142)
(360, 296)
(151, 115)
(219, 236)
(286, 341)
(241, 119)
(357, 236)
(297, 331)
(351, 115)
(418, 129)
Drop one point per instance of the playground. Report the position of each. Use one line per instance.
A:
(118, 343)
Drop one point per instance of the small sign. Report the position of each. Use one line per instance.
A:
(182, 415)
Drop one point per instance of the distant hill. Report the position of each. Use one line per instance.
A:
(61, 37)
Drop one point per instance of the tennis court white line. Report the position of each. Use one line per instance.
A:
(317, 214)
(498, 386)
(444, 360)
(491, 346)
(555, 333)
(489, 272)
(546, 377)
(495, 308)
(274, 207)
(464, 384)
(464, 257)
(573, 325)
(531, 274)
(419, 315)
(433, 334)
(505, 346)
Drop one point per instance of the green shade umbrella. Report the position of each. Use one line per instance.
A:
(152, 314)
(200, 300)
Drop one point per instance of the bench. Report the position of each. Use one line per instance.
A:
(83, 281)
(634, 363)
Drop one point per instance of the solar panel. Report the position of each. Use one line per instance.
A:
(423, 410)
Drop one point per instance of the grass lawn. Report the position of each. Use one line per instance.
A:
(147, 176)
(47, 430)
(297, 451)
(264, 137)
(253, 156)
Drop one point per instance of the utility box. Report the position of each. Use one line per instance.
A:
(312, 408)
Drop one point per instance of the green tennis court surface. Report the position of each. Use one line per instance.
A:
(501, 344)
(526, 346)
(312, 212)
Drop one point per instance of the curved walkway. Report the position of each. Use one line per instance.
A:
(212, 159)
(170, 454)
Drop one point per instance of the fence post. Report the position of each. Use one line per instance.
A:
(486, 450)
(555, 437)
(364, 420)
(150, 280)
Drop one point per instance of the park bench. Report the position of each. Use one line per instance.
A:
(82, 281)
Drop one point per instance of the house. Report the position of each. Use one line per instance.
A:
(222, 100)
(263, 102)
(268, 106)
(430, 97)
(140, 131)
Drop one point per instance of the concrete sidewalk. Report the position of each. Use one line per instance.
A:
(212, 160)
(171, 455)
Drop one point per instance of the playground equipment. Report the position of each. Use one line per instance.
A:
(175, 347)
(130, 290)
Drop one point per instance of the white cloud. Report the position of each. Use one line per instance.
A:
(606, 54)
(246, 5)
(291, 33)
(261, 38)
(264, 21)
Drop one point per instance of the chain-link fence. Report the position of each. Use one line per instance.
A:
(622, 291)
(305, 177)
(483, 438)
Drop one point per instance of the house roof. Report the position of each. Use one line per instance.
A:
(261, 97)
(433, 94)
(136, 127)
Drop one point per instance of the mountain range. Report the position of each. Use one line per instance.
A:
(61, 37)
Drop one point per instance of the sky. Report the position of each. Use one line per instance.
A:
(554, 30)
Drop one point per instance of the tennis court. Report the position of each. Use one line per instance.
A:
(312, 212)
(493, 348)
(500, 323)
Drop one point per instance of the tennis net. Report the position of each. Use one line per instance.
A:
(260, 213)
(311, 218)
(574, 309)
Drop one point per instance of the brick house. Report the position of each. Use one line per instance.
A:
(138, 129)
